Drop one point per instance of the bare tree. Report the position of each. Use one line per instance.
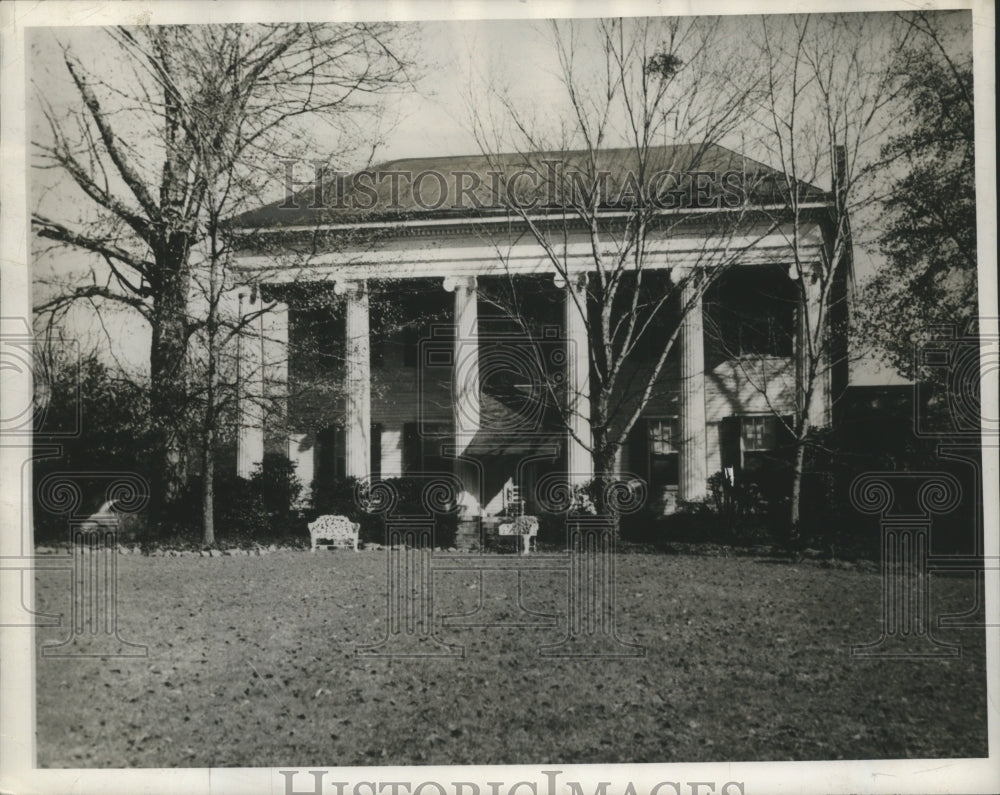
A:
(176, 115)
(831, 87)
(636, 161)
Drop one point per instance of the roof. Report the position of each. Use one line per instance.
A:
(468, 186)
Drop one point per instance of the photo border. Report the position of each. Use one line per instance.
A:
(17, 651)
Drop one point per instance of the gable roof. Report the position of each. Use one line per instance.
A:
(467, 186)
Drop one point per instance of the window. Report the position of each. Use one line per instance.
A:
(664, 445)
(663, 437)
(758, 433)
(750, 312)
(757, 448)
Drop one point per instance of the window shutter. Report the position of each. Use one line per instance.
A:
(729, 443)
(638, 443)
(411, 448)
(376, 450)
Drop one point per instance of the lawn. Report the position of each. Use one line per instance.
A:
(251, 662)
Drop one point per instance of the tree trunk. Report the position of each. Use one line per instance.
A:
(208, 443)
(795, 509)
(208, 487)
(604, 474)
(168, 384)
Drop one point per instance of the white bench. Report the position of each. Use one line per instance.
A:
(336, 531)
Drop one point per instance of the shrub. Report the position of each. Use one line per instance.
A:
(240, 512)
(873, 442)
(748, 511)
(278, 488)
(732, 513)
(99, 418)
(247, 511)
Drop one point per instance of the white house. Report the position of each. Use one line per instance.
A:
(391, 355)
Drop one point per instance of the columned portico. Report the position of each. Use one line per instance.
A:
(579, 461)
(357, 379)
(696, 418)
(693, 471)
(465, 392)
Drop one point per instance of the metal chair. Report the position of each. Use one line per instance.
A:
(515, 504)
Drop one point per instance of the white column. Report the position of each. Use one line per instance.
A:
(465, 393)
(465, 379)
(580, 462)
(812, 313)
(250, 395)
(357, 380)
(693, 473)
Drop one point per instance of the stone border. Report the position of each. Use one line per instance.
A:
(807, 557)
(173, 552)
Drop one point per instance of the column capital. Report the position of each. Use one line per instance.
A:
(809, 269)
(576, 280)
(349, 287)
(452, 283)
(684, 274)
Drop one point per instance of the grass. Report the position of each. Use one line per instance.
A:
(251, 662)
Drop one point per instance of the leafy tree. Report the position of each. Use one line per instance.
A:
(95, 416)
(930, 240)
